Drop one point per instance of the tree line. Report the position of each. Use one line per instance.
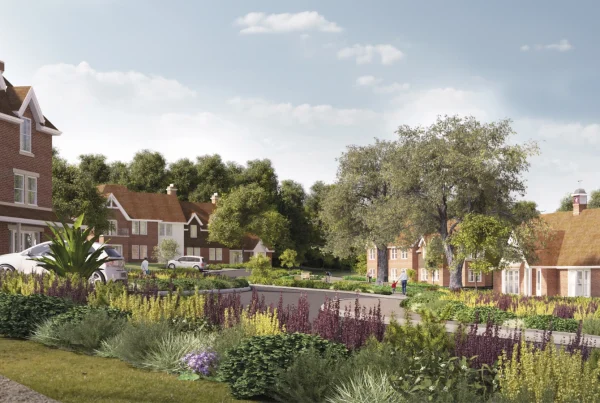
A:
(283, 213)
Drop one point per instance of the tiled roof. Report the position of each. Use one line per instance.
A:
(146, 206)
(27, 213)
(575, 240)
(202, 210)
(12, 99)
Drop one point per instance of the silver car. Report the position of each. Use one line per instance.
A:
(195, 262)
(112, 270)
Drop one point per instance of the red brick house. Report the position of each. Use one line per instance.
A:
(414, 258)
(569, 265)
(140, 221)
(25, 168)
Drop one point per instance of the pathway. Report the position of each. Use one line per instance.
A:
(13, 392)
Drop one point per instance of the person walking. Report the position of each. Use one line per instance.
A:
(369, 276)
(145, 268)
(394, 284)
(403, 280)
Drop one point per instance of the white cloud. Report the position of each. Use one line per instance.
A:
(392, 88)
(363, 54)
(366, 81)
(575, 133)
(289, 114)
(561, 46)
(261, 23)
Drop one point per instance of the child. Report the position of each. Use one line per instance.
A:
(394, 284)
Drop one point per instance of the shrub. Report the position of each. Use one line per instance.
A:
(79, 313)
(83, 331)
(289, 258)
(311, 377)
(227, 339)
(374, 356)
(168, 249)
(103, 293)
(350, 286)
(411, 340)
(260, 265)
(20, 314)
(537, 371)
(591, 326)
(355, 278)
(261, 323)
(169, 352)
(412, 274)
(367, 386)
(549, 322)
(251, 368)
(483, 314)
(418, 296)
(361, 264)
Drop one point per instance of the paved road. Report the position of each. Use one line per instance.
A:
(316, 298)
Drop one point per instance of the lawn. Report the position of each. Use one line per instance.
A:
(70, 377)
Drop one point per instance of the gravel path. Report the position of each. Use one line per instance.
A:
(12, 392)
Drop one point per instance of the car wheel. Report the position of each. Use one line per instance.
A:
(171, 266)
(6, 268)
(97, 277)
(196, 267)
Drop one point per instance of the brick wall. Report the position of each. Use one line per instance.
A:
(150, 240)
(4, 238)
(41, 163)
(595, 279)
(563, 282)
(497, 281)
(411, 262)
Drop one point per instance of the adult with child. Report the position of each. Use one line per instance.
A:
(404, 280)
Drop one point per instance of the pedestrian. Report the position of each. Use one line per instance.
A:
(369, 277)
(328, 274)
(394, 284)
(145, 268)
(403, 280)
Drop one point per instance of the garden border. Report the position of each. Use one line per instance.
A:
(214, 291)
(398, 296)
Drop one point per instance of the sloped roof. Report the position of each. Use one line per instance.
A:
(12, 99)
(202, 210)
(575, 240)
(146, 206)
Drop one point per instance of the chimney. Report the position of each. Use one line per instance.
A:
(579, 201)
(172, 190)
(215, 198)
(1, 67)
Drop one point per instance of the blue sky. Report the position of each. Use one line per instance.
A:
(298, 81)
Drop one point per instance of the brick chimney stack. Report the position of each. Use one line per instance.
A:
(215, 198)
(172, 190)
(579, 201)
(1, 67)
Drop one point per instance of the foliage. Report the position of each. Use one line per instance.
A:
(591, 326)
(434, 256)
(483, 314)
(291, 199)
(354, 278)
(455, 167)
(547, 322)
(70, 250)
(260, 323)
(71, 286)
(311, 377)
(411, 340)
(485, 348)
(148, 172)
(82, 331)
(251, 368)
(201, 362)
(566, 203)
(95, 166)
(536, 371)
(80, 312)
(167, 355)
(367, 386)
(362, 208)
(289, 258)
(247, 210)
(260, 265)
(74, 193)
(184, 175)
(360, 266)
(20, 314)
(103, 293)
(167, 249)
(189, 283)
(228, 338)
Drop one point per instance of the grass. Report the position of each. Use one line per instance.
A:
(137, 266)
(70, 377)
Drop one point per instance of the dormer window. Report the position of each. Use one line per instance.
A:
(26, 135)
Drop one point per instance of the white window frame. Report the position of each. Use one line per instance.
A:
(436, 275)
(403, 254)
(139, 227)
(143, 251)
(474, 278)
(372, 254)
(197, 251)
(26, 135)
(21, 190)
(161, 229)
(393, 253)
(538, 282)
(425, 275)
(511, 281)
(573, 280)
(135, 252)
(189, 251)
(113, 228)
(193, 231)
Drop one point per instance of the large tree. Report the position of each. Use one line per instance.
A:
(247, 210)
(456, 167)
(290, 204)
(362, 209)
(262, 173)
(74, 193)
(118, 173)
(184, 175)
(214, 176)
(148, 172)
(95, 165)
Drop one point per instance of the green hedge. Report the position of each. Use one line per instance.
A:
(20, 314)
(547, 322)
(483, 314)
(190, 284)
(355, 278)
(251, 368)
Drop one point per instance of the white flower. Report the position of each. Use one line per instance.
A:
(443, 365)
(432, 388)
(422, 368)
(445, 389)
(464, 367)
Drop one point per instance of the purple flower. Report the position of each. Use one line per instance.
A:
(200, 362)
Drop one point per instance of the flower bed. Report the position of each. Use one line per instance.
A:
(187, 283)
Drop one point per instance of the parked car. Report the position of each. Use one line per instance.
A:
(112, 270)
(196, 262)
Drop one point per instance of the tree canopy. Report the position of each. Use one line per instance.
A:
(455, 167)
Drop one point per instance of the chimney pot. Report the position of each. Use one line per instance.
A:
(172, 190)
(215, 198)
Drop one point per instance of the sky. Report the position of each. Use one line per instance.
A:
(299, 81)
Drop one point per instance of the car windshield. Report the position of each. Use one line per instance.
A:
(112, 252)
(39, 250)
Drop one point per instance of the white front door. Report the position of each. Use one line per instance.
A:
(579, 283)
(538, 283)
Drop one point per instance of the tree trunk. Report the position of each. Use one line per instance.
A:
(382, 264)
(455, 268)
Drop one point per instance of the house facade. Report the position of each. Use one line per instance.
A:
(568, 265)
(25, 168)
(140, 221)
(414, 258)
